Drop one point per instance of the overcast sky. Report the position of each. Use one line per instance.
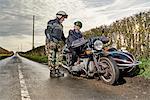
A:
(16, 17)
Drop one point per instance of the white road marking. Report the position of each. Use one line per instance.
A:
(24, 91)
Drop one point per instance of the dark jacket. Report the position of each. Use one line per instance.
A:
(73, 35)
(55, 30)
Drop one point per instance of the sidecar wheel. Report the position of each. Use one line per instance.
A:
(111, 70)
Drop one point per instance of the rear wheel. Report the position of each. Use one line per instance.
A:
(111, 70)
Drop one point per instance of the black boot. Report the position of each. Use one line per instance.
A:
(58, 73)
(52, 73)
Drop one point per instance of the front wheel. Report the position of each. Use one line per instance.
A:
(111, 70)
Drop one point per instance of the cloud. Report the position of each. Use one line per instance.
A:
(118, 9)
(16, 19)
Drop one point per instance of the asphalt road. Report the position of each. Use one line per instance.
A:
(22, 79)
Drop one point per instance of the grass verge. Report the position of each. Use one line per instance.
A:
(3, 56)
(145, 68)
(36, 58)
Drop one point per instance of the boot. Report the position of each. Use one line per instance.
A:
(58, 73)
(52, 73)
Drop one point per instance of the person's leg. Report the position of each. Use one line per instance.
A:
(58, 60)
(52, 58)
(48, 53)
(74, 56)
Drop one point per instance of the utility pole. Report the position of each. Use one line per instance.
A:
(33, 33)
(18, 48)
(21, 47)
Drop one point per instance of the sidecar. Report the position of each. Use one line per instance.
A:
(125, 60)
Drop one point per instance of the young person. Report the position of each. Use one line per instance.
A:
(74, 35)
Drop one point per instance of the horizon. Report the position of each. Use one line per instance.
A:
(16, 20)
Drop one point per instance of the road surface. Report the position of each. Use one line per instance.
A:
(22, 79)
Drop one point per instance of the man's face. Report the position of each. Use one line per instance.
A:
(76, 27)
(62, 19)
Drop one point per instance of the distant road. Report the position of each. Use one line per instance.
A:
(22, 79)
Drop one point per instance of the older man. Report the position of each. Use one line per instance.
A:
(54, 39)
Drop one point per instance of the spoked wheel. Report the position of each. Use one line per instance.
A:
(111, 70)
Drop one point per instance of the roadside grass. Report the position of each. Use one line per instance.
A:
(145, 68)
(36, 58)
(3, 56)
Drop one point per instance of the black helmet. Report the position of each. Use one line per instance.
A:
(78, 23)
(62, 13)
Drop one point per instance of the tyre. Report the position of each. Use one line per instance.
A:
(111, 70)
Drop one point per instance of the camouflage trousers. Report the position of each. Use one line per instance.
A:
(53, 51)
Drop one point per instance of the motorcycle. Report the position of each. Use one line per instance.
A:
(93, 62)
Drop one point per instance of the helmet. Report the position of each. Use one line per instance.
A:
(78, 23)
(62, 13)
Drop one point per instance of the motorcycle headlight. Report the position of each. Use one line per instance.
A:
(98, 45)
